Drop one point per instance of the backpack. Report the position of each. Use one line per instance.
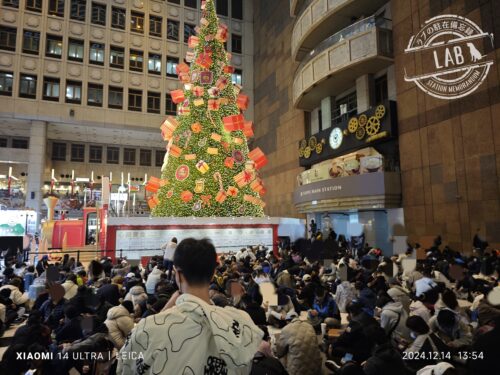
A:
(262, 365)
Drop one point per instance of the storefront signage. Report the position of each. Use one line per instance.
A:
(453, 57)
(353, 186)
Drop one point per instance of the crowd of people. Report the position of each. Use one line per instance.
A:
(190, 310)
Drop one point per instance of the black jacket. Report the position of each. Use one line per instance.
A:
(70, 331)
(385, 360)
(111, 293)
(257, 314)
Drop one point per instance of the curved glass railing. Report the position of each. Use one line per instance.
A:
(353, 29)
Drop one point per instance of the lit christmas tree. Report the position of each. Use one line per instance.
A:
(208, 169)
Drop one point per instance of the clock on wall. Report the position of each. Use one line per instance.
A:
(336, 138)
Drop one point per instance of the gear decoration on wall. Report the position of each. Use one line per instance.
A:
(363, 119)
(313, 142)
(353, 125)
(303, 144)
(319, 148)
(373, 126)
(380, 111)
(301, 152)
(307, 152)
(360, 133)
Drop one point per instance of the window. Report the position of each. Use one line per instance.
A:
(190, 3)
(237, 77)
(155, 25)
(73, 92)
(113, 155)
(11, 3)
(129, 156)
(221, 7)
(160, 155)
(135, 100)
(145, 157)
(77, 152)
(56, 7)
(381, 93)
(116, 57)
(75, 50)
(188, 31)
(172, 30)
(136, 60)
(95, 154)
(118, 18)
(34, 5)
(54, 46)
(27, 86)
(31, 42)
(154, 64)
(8, 38)
(95, 95)
(137, 22)
(344, 108)
(174, 1)
(96, 53)
(236, 46)
(154, 102)
(237, 9)
(170, 106)
(172, 63)
(59, 151)
(115, 97)
(3, 142)
(98, 14)
(6, 80)
(51, 89)
(77, 11)
(20, 143)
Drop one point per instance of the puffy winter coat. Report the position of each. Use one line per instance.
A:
(137, 295)
(398, 294)
(120, 324)
(153, 279)
(16, 296)
(299, 344)
(70, 289)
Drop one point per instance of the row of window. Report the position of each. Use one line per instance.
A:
(95, 92)
(14, 142)
(95, 154)
(78, 10)
(76, 47)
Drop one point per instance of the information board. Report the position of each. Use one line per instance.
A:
(149, 241)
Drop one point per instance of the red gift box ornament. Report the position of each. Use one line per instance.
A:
(174, 150)
(213, 92)
(177, 96)
(221, 35)
(185, 77)
(168, 127)
(229, 162)
(186, 196)
(256, 185)
(221, 83)
(204, 60)
(193, 41)
(182, 68)
(234, 123)
(153, 202)
(153, 185)
(248, 129)
(213, 104)
(243, 101)
(229, 69)
(206, 78)
(221, 195)
(232, 191)
(198, 91)
(244, 178)
(258, 157)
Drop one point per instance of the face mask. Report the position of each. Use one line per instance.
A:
(413, 335)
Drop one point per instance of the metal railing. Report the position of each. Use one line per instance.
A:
(351, 30)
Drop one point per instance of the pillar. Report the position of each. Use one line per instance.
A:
(364, 92)
(36, 166)
(326, 113)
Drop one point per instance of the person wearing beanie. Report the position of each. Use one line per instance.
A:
(120, 322)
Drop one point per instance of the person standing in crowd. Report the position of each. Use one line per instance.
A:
(203, 338)
(168, 256)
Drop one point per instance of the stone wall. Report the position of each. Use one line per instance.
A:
(450, 149)
(278, 127)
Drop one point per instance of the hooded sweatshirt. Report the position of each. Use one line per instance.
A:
(393, 320)
(153, 279)
(119, 323)
(192, 338)
(136, 295)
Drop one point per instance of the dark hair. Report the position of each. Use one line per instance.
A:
(264, 329)
(129, 306)
(196, 260)
(174, 240)
(417, 324)
(31, 269)
(449, 298)
(71, 277)
(383, 299)
(71, 311)
(446, 318)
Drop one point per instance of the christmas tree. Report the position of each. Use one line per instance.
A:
(208, 169)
